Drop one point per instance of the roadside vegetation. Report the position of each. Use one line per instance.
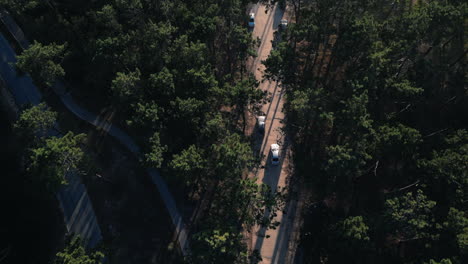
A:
(377, 104)
(173, 74)
(35, 164)
(48, 158)
(30, 212)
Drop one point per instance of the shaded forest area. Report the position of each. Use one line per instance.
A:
(377, 103)
(27, 214)
(173, 74)
(35, 164)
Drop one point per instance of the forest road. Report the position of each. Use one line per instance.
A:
(272, 244)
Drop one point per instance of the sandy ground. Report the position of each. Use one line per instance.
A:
(272, 244)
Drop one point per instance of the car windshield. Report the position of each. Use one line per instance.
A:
(251, 19)
(275, 159)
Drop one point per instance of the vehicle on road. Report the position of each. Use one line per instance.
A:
(275, 154)
(277, 35)
(251, 20)
(261, 123)
(283, 24)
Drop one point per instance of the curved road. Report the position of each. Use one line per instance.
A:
(96, 121)
(78, 212)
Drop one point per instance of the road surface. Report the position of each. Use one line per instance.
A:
(78, 213)
(272, 244)
(114, 131)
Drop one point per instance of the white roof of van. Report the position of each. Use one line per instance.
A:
(275, 150)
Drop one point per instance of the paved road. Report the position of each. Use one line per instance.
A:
(113, 130)
(74, 201)
(273, 249)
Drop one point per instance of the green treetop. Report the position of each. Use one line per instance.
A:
(42, 62)
(34, 123)
(75, 253)
(50, 163)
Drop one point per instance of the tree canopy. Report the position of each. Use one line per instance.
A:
(75, 253)
(43, 62)
(377, 108)
(34, 124)
(59, 156)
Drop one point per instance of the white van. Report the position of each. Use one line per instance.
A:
(275, 154)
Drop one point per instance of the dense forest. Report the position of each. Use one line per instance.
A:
(377, 104)
(173, 74)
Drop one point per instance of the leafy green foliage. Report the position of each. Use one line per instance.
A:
(231, 156)
(162, 83)
(350, 238)
(50, 163)
(214, 127)
(154, 157)
(448, 168)
(213, 246)
(442, 261)
(145, 116)
(22, 5)
(34, 124)
(254, 200)
(75, 253)
(399, 138)
(106, 18)
(411, 215)
(457, 225)
(189, 164)
(244, 93)
(42, 62)
(353, 229)
(125, 86)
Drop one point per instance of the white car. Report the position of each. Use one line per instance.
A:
(251, 20)
(283, 24)
(261, 123)
(275, 154)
